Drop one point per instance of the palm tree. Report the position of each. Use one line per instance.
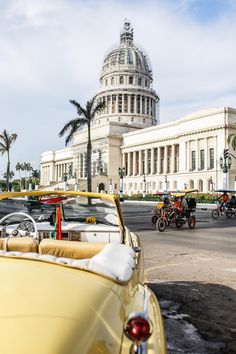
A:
(19, 167)
(85, 117)
(232, 140)
(6, 141)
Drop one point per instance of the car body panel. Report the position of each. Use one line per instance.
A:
(51, 307)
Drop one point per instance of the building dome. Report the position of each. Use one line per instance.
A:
(126, 56)
(126, 85)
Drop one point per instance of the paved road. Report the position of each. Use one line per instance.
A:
(193, 273)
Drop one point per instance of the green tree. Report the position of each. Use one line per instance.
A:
(6, 141)
(232, 140)
(85, 118)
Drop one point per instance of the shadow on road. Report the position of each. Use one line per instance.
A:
(199, 317)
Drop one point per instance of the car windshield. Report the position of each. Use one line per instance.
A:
(74, 208)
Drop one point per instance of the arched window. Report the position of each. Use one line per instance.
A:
(139, 81)
(191, 184)
(121, 80)
(106, 82)
(131, 80)
(200, 185)
(112, 81)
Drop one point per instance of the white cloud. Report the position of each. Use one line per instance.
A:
(52, 51)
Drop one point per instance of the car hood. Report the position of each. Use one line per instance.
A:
(52, 309)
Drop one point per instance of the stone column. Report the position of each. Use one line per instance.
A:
(135, 104)
(158, 160)
(146, 162)
(140, 163)
(165, 158)
(207, 155)
(129, 164)
(173, 159)
(197, 155)
(152, 161)
(134, 164)
(123, 159)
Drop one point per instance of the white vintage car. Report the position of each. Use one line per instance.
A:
(71, 278)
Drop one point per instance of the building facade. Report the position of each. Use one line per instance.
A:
(127, 133)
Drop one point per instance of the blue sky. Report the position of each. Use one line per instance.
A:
(52, 51)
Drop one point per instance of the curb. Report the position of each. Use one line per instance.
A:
(201, 206)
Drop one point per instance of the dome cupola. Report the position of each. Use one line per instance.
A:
(126, 81)
(127, 55)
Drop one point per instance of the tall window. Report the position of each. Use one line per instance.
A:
(193, 160)
(148, 106)
(119, 103)
(121, 80)
(211, 153)
(108, 104)
(113, 104)
(132, 104)
(125, 103)
(131, 79)
(139, 81)
(138, 104)
(176, 167)
(130, 57)
(143, 162)
(143, 104)
(155, 160)
(202, 160)
(149, 161)
(162, 160)
(122, 57)
(112, 81)
(168, 158)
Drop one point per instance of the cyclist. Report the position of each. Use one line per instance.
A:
(223, 200)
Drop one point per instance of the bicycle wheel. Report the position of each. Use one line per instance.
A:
(154, 219)
(161, 224)
(215, 213)
(178, 223)
(192, 222)
(229, 213)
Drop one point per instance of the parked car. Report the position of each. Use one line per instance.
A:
(71, 279)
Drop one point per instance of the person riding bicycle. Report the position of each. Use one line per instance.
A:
(223, 200)
(178, 206)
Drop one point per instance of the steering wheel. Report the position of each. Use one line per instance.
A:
(24, 228)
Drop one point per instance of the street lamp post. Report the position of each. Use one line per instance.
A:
(121, 172)
(225, 164)
(144, 186)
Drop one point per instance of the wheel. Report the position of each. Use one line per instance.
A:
(191, 222)
(229, 213)
(21, 227)
(215, 213)
(161, 224)
(154, 219)
(178, 223)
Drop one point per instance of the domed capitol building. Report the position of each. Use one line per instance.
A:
(127, 134)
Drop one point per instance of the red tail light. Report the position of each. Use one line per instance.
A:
(138, 329)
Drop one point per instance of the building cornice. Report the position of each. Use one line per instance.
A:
(175, 137)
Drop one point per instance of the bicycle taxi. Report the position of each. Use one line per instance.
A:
(163, 198)
(225, 205)
(180, 211)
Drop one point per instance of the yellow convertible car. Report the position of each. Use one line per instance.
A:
(71, 278)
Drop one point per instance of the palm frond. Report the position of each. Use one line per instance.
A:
(80, 110)
(98, 108)
(68, 126)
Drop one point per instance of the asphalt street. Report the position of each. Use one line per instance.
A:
(193, 274)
